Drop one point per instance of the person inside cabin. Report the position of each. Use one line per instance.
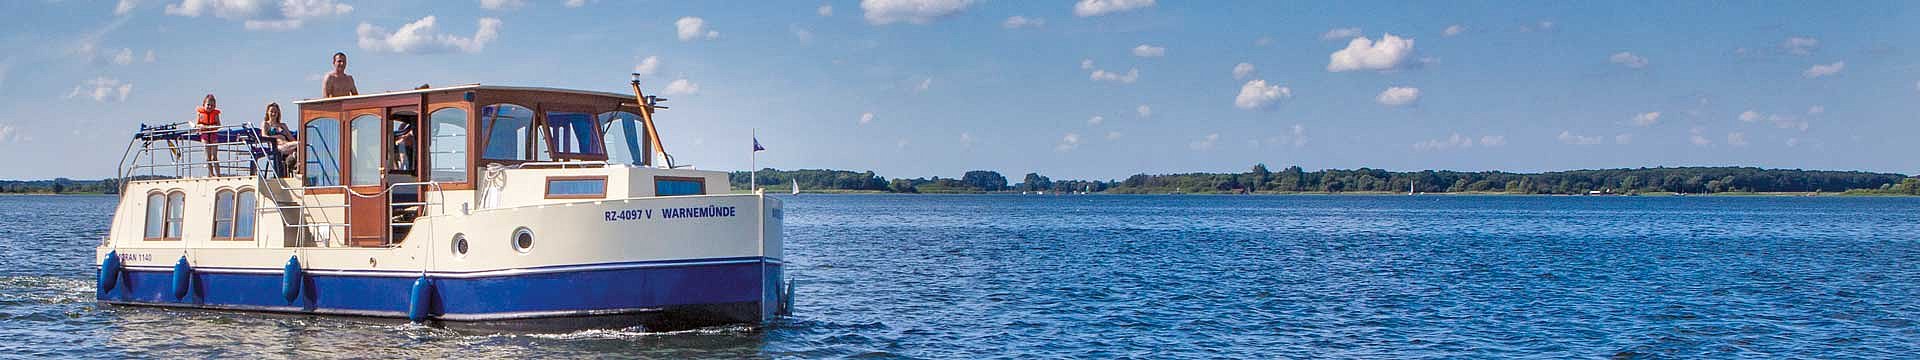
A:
(338, 83)
(207, 123)
(285, 143)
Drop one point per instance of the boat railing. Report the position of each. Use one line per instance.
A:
(179, 150)
(306, 235)
(560, 164)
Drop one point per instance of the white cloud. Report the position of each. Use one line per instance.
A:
(902, 143)
(1452, 142)
(1749, 116)
(1816, 110)
(1628, 59)
(1493, 140)
(1802, 46)
(692, 28)
(124, 57)
(1087, 64)
(1263, 41)
(966, 139)
(1542, 26)
(1205, 143)
(274, 25)
(866, 118)
(1088, 8)
(9, 134)
(924, 84)
(1145, 50)
(1128, 78)
(1646, 118)
(1068, 142)
(1016, 22)
(1341, 34)
(1824, 70)
(1242, 71)
(254, 14)
(1361, 54)
(1257, 94)
(1297, 137)
(1143, 110)
(1455, 29)
(421, 37)
(801, 33)
(125, 6)
(1569, 138)
(1398, 96)
(1737, 139)
(647, 66)
(824, 10)
(1792, 142)
(1623, 139)
(225, 9)
(1096, 120)
(575, 3)
(101, 89)
(1698, 140)
(1114, 135)
(1787, 122)
(502, 4)
(882, 12)
(681, 87)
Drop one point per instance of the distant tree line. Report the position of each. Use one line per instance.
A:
(1663, 179)
(1259, 179)
(59, 186)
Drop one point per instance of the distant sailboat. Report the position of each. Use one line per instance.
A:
(796, 187)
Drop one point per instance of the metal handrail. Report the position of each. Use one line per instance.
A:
(348, 227)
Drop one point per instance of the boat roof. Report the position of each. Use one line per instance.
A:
(474, 86)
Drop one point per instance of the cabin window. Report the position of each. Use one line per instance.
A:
(243, 214)
(364, 159)
(448, 148)
(574, 135)
(223, 214)
(156, 216)
(676, 186)
(323, 159)
(577, 187)
(507, 127)
(176, 210)
(625, 137)
(233, 214)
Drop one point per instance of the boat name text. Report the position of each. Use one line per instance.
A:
(670, 213)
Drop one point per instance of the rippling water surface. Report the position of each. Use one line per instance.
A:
(1158, 277)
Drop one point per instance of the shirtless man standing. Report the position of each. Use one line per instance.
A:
(338, 83)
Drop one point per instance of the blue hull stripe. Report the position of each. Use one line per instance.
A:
(570, 290)
(478, 273)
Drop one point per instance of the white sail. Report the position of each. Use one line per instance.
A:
(796, 187)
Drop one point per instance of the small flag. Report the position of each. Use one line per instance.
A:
(756, 145)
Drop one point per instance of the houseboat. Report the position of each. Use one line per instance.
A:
(475, 206)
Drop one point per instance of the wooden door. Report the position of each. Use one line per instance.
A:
(367, 143)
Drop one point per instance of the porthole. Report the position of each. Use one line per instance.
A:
(459, 245)
(522, 240)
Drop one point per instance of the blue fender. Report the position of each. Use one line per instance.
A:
(291, 278)
(182, 278)
(421, 299)
(109, 271)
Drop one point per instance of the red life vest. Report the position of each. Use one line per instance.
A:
(208, 117)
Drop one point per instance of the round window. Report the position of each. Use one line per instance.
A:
(459, 245)
(522, 240)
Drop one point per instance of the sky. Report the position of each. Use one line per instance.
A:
(1088, 89)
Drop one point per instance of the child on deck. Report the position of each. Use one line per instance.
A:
(208, 123)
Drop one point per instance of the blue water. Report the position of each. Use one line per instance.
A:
(1160, 277)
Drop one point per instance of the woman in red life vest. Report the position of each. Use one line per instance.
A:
(208, 124)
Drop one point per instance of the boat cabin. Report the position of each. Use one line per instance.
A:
(405, 142)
